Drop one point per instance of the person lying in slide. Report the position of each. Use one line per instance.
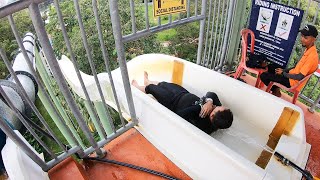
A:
(206, 113)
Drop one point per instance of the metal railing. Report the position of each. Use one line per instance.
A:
(45, 52)
(76, 147)
(311, 94)
(150, 28)
(220, 24)
(219, 21)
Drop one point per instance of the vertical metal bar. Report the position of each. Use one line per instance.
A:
(159, 21)
(211, 34)
(233, 24)
(249, 15)
(179, 16)
(66, 124)
(133, 18)
(147, 14)
(41, 86)
(16, 139)
(207, 34)
(89, 56)
(303, 23)
(64, 156)
(17, 113)
(216, 34)
(218, 52)
(170, 18)
(24, 122)
(196, 7)
(115, 19)
(106, 60)
(74, 62)
(299, 3)
(317, 101)
(312, 91)
(289, 2)
(279, 1)
(316, 15)
(306, 13)
(101, 143)
(221, 34)
(226, 30)
(201, 33)
(237, 23)
(44, 40)
(188, 8)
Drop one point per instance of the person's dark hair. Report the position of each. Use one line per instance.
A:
(222, 119)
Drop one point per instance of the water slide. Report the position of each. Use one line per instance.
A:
(262, 123)
(18, 164)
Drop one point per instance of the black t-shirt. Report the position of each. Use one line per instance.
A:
(187, 108)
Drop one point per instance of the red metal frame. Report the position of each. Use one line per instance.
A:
(242, 65)
(294, 89)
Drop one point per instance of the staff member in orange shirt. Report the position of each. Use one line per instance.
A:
(307, 64)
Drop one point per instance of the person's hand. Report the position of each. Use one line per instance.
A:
(206, 109)
(279, 71)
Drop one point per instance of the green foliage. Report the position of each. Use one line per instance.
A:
(33, 142)
(310, 87)
(185, 43)
(132, 49)
(7, 40)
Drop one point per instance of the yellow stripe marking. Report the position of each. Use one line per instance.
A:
(177, 74)
(285, 125)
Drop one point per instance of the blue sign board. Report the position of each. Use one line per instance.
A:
(275, 27)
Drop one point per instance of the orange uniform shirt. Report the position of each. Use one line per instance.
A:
(307, 65)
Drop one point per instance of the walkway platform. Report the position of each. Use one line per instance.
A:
(131, 147)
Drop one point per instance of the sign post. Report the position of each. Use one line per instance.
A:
(162, 7)
(275, 27)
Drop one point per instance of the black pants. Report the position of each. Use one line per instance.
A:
(2, 144)
(269, 76)
(167, 94)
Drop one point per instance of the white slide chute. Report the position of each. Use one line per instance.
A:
(226, 154)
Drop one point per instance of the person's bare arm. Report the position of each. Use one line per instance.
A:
(288, 75)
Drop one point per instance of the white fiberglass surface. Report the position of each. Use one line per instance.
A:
(232, 150)
(244, 138)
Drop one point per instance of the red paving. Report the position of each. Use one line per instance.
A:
(133, 148)
(312, 123)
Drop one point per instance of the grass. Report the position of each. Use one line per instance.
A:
(166, 35)
(163, 35)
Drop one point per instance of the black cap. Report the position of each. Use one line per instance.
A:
(309, 30)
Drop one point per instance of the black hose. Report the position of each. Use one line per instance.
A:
(39, 129)
(133, 167)
(43, 132)
(287, 162)
(36, 127)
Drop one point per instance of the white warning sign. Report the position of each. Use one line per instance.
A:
(284, 26)
(264, 20)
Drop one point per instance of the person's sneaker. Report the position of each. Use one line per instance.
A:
(277, 92)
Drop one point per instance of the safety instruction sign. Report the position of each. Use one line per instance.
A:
(162, 7)
(275, 27)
